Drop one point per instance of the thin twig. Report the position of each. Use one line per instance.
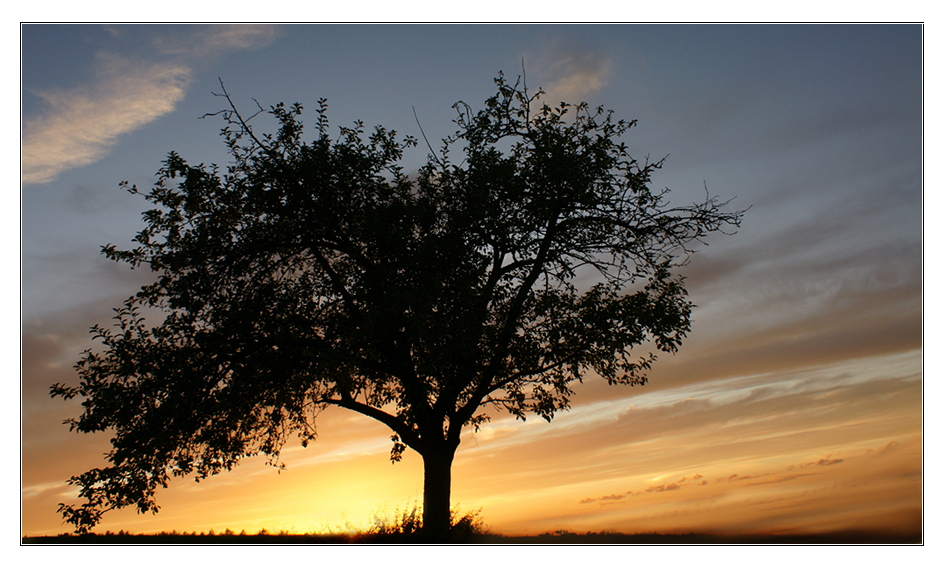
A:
(428, 145)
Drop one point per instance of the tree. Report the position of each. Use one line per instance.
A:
(313, 274)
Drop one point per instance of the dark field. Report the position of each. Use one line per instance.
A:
(558, 538)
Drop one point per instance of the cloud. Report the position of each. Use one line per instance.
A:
(781, 479)
(823, 461)
(773, 493)
(571, 73)
(609, 498)
(613, 497)
(214, 39)
(83, 123)
(889, 447)
(663, 487)
(581, 77)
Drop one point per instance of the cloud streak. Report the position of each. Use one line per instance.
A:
(778, 496)
(82, 124)
(215, 39)
(795, 404)
(695, 456)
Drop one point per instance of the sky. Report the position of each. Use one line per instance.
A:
(794, 406)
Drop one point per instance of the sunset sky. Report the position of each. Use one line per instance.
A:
(795, 404)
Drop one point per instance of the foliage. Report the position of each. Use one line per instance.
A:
(318, 273)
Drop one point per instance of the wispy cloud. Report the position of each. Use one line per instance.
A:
(779, 496)
(572, 73)
(81, 124)
(663, 487)
(84, 122)
(674, 458)
(824, 461)
(203, 41)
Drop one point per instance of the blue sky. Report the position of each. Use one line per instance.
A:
(817, 127)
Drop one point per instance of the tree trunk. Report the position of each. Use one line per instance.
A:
(437, 485)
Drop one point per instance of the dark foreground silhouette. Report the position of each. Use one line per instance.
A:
(558, 537)
(318, 274)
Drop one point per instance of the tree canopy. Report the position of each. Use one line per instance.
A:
(318, 273)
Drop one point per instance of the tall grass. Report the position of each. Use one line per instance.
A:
(407, 523)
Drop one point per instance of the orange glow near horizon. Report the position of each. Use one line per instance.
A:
(817, 450)
(793, 406)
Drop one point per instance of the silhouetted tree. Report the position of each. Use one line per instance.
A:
(317, 273)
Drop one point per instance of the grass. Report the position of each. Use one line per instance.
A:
(394, 538)
(405, 528)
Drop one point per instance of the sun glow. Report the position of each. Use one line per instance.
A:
(795, 404)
